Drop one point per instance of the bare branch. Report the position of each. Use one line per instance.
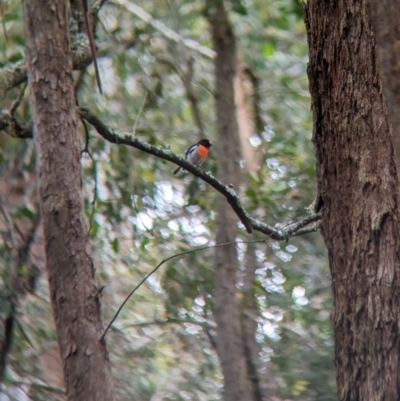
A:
(177, 255)
(8, 223)
(313, 229)
(113, 137)
(12, 75)
(40, 386)
(25, 335)
(249, 223)
(98, 6)
(17, 102)
(164, 323)
(89, 31)
(12, 127)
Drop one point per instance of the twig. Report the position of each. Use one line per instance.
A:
(9, 225)
(40, 386)
(312, 229)
(25, 335)
(98, 6)
(176, 256)
(15, 105)
(164, 323)
(159, 265)
(139, 113)
(12, 127)
(91, 43)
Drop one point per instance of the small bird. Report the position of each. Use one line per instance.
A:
(197, 153)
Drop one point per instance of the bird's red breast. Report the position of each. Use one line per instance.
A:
(202, 152)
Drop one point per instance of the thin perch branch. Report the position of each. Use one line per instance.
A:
(249, 223)
(126, 139)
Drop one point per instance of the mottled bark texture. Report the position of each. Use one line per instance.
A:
(229, 338)
(74, 295)
(357, 183)
(385, 19)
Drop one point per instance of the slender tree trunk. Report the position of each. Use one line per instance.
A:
(249, 317)
(229, 338)
(74, 295)
(357, 183)
(248, 305)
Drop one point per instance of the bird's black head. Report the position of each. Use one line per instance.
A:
(206, 143)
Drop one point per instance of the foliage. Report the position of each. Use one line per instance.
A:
(160, 346)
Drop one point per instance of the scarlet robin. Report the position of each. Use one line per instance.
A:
(197, 153)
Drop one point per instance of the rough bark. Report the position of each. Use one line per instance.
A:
(227, 316)
(357, 183)
(385, 18)
(74, 295)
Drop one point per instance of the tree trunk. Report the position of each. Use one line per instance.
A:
(229, 338)
(357, 184)
(250, 314)
(74, 295)
(385, 18)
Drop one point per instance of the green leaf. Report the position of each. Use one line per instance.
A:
(268, 49)
(27, 212)
(239, 7)
(115, 245)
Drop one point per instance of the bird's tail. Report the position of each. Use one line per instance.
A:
(178, 170)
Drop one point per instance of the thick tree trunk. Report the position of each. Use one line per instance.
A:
(74, 295)
(358, 189)
(385, 18)
(229, 338)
